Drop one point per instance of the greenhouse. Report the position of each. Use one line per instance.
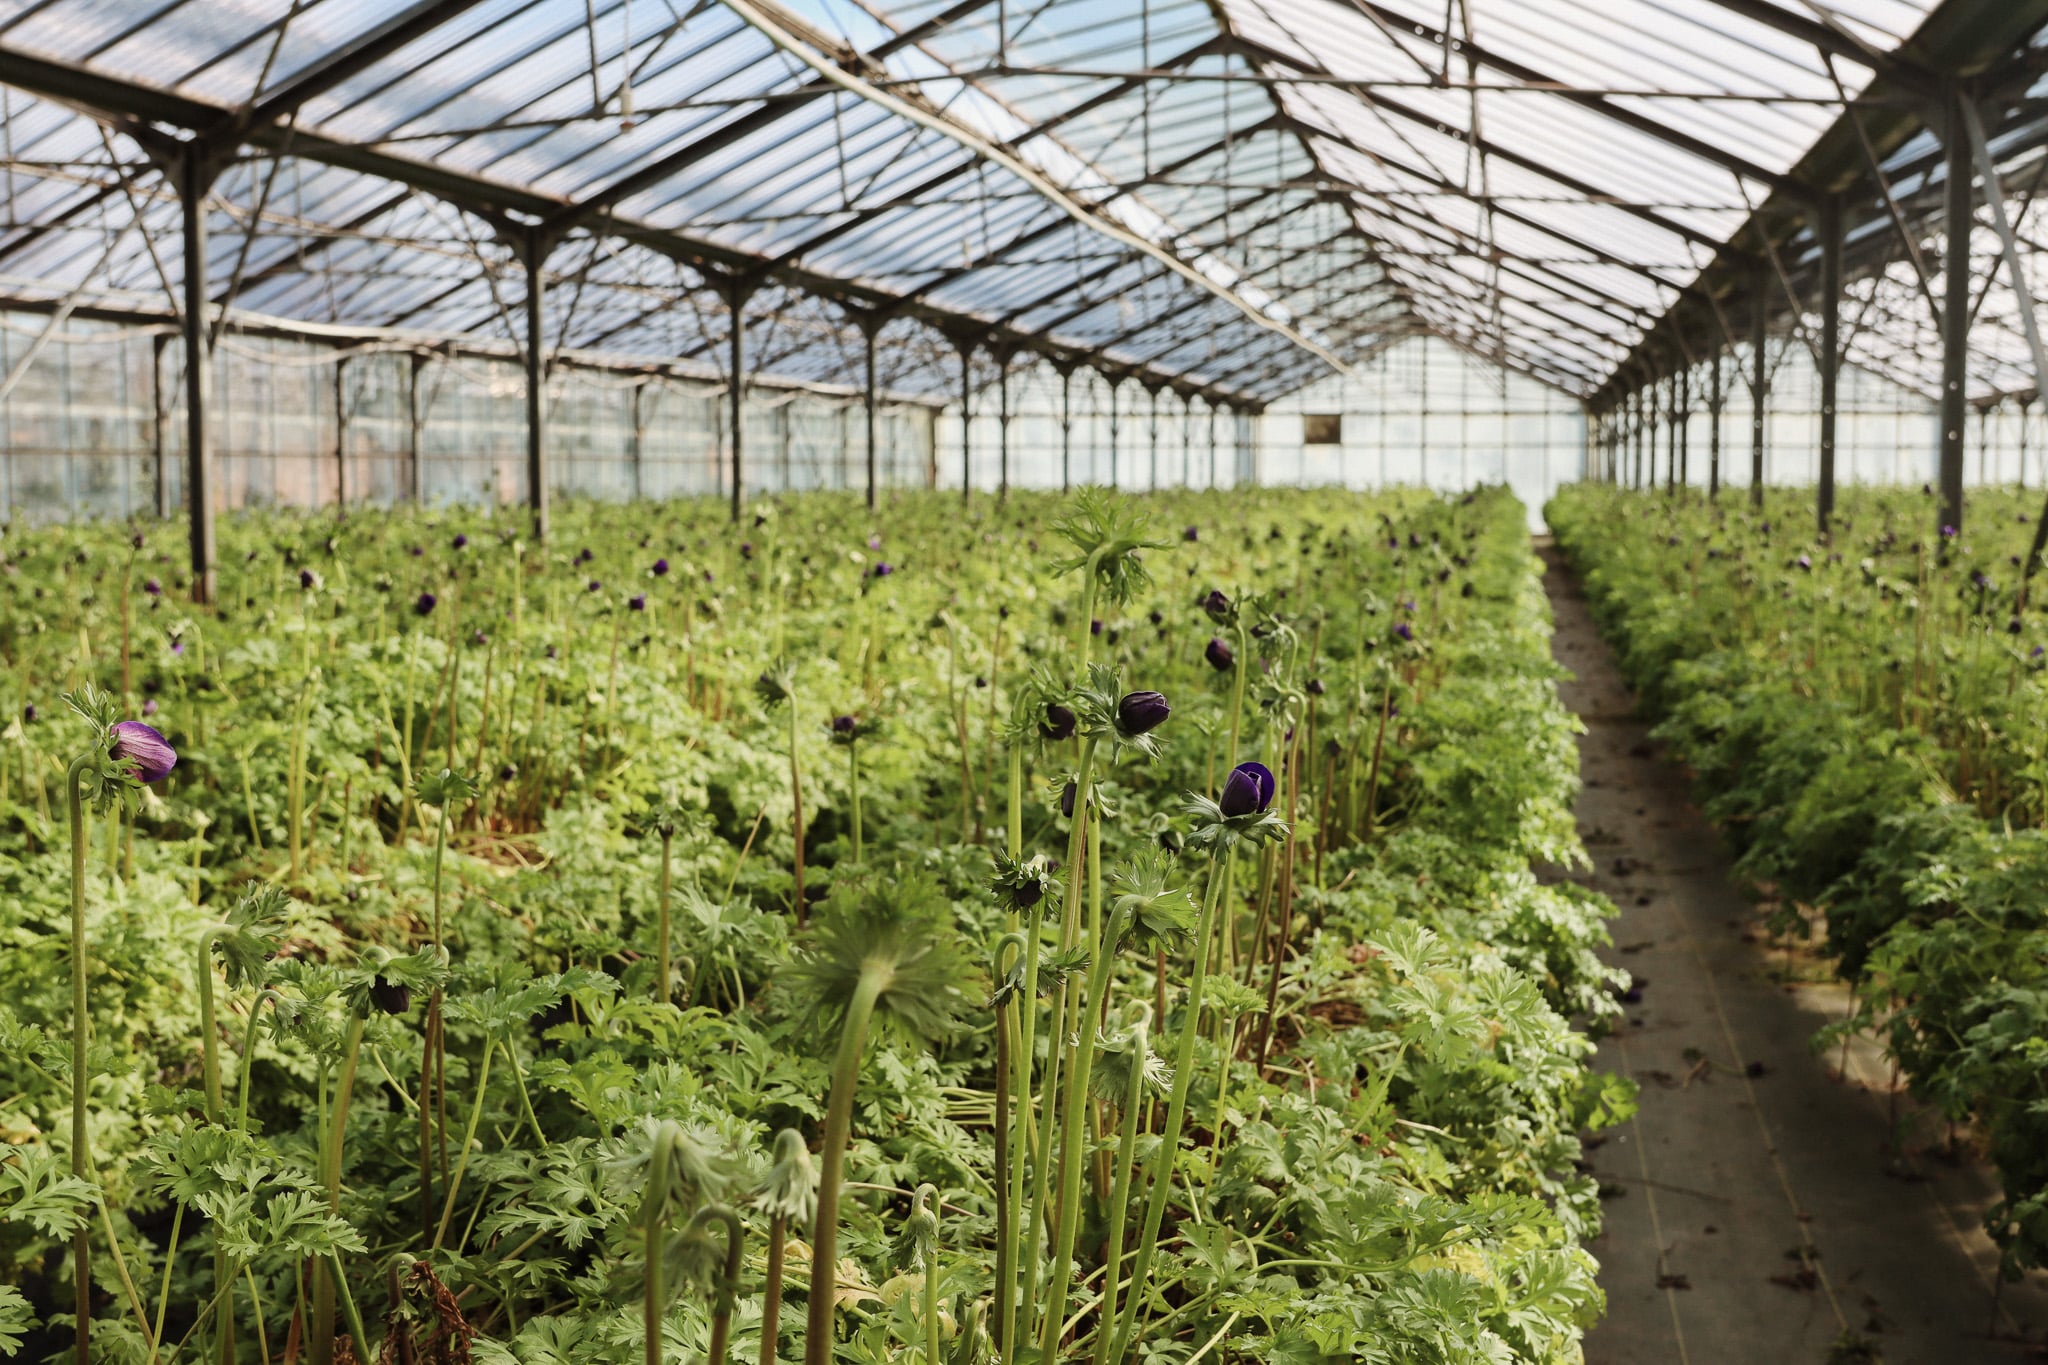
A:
(1000, 682)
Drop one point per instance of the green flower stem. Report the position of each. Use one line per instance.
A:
(320, 1342)
(1160, 1172)
(654, 1295)
(663, 965)
(1009, 1169)
(1120, 1190)
(1035, 1213)
(931, 1309)
(1237, 695)
(771, 1294)
(831, 1174)
(348, 1305)
(249, 1058)
(163, 1297)
(209, 1051)
(796, 792)
(81, 1149)
(728, 1283)
(853, 766)
(1088, 575)
(476, 1110)
(1074, 1145)
(433, 1083)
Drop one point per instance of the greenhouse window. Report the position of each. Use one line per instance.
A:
(1322, 428)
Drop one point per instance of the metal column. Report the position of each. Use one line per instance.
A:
(966, 419)
(1955, 318)
(639, 446)
(1717, 399)
(1681, 476)
(341, 435)
(736, 303)
(1114, 384)
(1066, 426)
(416, 416)
(195, 177)
(158, 436)
(1828, 224)
(1759, 386)
(1003, 426)
(534, 252)
(870, 327)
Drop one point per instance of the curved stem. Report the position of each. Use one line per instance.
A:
(771, 1295)
(476, 1110)
(81, 1150)
(1160, 1169)
(249, 1057)
(831, 1172)
(728, 1285)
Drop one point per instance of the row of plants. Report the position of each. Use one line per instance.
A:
(1095, 929)
(1867, 717)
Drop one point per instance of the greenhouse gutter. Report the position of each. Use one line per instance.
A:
(357, 340)
(130, 108)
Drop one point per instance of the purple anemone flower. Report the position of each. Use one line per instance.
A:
(152, 587)
(1095, 627)
(1191, 535)
(1316, 688)
(1402, 630)
(28, 714)
(882, 569)
(1141, 712)
(661, 568)
(424, 604)
(1948, 533)
(844, 725)
(1247, 791)
(1804, 561)
(584, 556)
(1217, 605)
(460, 542)
(149, 706)
(637, 602)
(746, 549)
(150, 755)
(874, 542)
(1059, 722)
(308, 579)
(1218, 654)
(1067, 794)
(594, 586)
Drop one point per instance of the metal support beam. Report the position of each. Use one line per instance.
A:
(160, 418)
(1717, 398)
(736, 303)
(340, 435)
(638, 449)
(195, 178)
(1955, 316)
(1002, 426)
(870, 328)
(1115, 382)
(1154, 429)
(1759, 382)
(1828, 226)
(1212, 443)
(966, 346)
(533, 253)
(416, 419)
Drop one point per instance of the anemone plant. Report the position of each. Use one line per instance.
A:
(1130, 1075)
(1109, 535)
(884, 954)
(777, 687)
(918, 1244)
(667, 817)
(119, 758)
(849, 732)
(443, 791)
(788, 1194)
(1247, 822)
(676, 1173)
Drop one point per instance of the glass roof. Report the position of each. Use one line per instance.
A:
(1235, 195)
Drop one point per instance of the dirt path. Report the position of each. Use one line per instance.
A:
(1757, 1213)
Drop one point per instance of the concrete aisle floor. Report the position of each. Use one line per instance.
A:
(1756, 1213)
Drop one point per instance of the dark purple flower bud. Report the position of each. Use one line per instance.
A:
(1141, 712)
(881, 569)
(308, 579)
(1217, 605)
(1804, 561)
(844, 725)
(390, 997)
(135, 541)
(507, 773)
(152, 587)
(1067, 795)
(746, 549)
(1095, 627)
(2013, 626)
(1156, 617)
(461, 542)
(661, 568)
(1316, 688)
(1190, 535)
(2038, 651)
(477, 637)
(637, 602)
(177, 646)
(424, 604)
(1218, 654)
(594, 586)
(1948, 533)
(1248, 790)
(416, 552)
(1059, 722)
(150, 755)
(874, 542)
(1403, 631)
(149, 703)
(28, 713)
